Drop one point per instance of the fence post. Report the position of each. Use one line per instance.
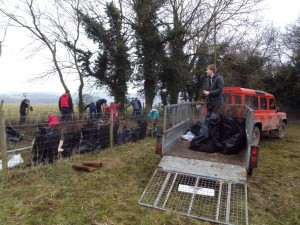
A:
(111, 129)
(193, 111)
(3, 141)
(9, 118)
(37, 119)
(152, 124)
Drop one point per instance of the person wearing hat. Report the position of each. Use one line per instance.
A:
(23, 106)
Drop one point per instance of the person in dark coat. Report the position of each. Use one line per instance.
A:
(99, 104)
(139, 103)
(24, 105)
(136, 107)
(65, 105)
(93, 110)
(213, 90)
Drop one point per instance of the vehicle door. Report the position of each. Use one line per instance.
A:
(273, 115)
(264, 114)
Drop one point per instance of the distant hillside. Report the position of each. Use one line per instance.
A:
(35, 98)
(52, 98)
(49, 97)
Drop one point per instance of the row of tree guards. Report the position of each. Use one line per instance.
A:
(4, 151)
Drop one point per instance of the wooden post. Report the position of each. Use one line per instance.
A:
(152, 123)
(3, 141)
(193, 112)
(9, 117)
(111, 129)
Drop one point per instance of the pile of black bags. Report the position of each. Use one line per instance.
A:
(98, 138)
(219, 134)
(133, 134)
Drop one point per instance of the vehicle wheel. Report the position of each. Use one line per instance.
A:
(256, 136)
(282, 130)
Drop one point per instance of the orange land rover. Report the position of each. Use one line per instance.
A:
(267, 118)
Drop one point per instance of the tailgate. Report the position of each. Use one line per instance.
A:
(199, 189)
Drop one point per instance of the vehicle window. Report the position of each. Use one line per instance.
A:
(272, 105)
(263, 103)
(227, 98)
(251, 101)
(238, 99)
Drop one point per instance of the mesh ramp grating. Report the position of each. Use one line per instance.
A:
(217, 201)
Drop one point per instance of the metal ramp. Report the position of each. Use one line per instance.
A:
(209, 199)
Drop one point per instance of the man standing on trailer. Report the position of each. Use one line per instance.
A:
(213, 90)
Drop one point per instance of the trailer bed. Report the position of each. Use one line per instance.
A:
(206, 186)
(181, 149)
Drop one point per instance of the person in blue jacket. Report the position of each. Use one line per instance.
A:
(93, 110)
(136, 106)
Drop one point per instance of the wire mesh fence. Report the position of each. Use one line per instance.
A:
(292, 114)
(79, 135)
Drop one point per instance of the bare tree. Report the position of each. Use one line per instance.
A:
(291, 40)
(2, 40)
(30, 16)
(56, 26)
(69, 28)
(204, 27)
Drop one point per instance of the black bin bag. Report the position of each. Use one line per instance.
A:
(12, 134)
(45, 146)
(90, 137)
(195, 129)
(71, 142)
(121, 137)
(208, 139)
(104, 134)
(233, 135)
(53, 138)
(142, 129)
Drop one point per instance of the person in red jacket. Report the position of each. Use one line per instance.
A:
(65, 105)
(114, 109)
(52, 120)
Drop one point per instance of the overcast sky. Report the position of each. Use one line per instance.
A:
(15, 70)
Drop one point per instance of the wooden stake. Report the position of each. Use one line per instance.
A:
(111, 129)
(3, 141)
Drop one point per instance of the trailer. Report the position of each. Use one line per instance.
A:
(206, 186)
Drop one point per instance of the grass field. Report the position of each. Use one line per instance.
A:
(57, 194)
(12, 110)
